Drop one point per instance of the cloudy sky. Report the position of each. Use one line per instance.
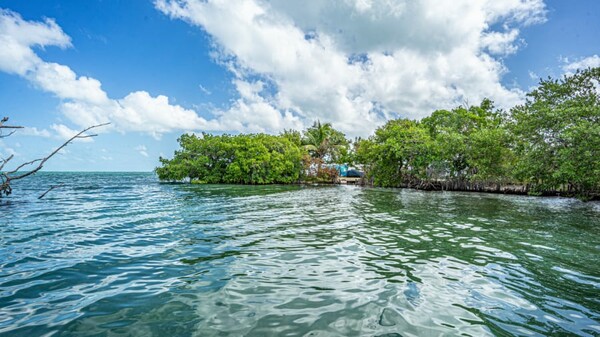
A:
(156, 69)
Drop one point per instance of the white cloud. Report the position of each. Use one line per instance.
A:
(358, 63)
(142, 150)
(501, 43)
(526, 12)
(61, 131)
(587, 62)
(35, 132)
(64, 83)
(534, 76)
(84, 102)
(204, 90)
(253, 112)
(18, 36)
(355, 63)
(6, 151)
(64, 133)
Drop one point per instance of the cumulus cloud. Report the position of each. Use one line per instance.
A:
(587, 62)
(84, 102)
(501, 43)
(64, 83)
(358, 63)
(35, 132)
(138, 111)
(64, 132)
(18, 36)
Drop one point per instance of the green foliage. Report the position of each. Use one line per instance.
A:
(459, 135)
(324, 142)
(464, 144)
(240, 159)
(293, 136)
(557, 134)
(401, 150)
(550, 143)
(489, 155)
(258, 158)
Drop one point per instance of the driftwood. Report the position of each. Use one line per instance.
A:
(6, 177)
(50, 189)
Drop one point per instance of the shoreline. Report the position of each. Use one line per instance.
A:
(506, 189)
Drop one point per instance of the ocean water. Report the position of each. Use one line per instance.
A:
(118, 254)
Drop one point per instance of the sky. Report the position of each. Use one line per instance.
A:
(158, 69)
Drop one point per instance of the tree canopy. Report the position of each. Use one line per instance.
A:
(325, 143)
(549, 144)
(240, 159)
(557, 134)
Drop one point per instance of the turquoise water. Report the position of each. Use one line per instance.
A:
(114, 254)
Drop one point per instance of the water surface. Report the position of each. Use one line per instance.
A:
(114, 254)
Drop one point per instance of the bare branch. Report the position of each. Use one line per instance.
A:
(4, 136)
(50, 189)
(42, 161)
(23, 165)
(7, 177)
(2, 126)
(4, 161)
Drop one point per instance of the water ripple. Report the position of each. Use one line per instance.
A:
(120, 254)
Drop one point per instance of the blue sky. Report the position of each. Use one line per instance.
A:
(158, 69)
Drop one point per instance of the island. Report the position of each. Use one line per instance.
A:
(549, 145)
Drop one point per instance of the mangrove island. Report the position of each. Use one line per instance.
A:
(549, 145)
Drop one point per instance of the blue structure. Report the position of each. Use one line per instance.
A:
(342, 169)
(345, 172)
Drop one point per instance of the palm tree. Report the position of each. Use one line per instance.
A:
(323, 142)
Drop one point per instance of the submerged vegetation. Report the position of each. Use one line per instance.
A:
(548, 145)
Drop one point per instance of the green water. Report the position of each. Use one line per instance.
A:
(121, 255)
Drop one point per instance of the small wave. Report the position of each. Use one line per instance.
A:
(125, 254)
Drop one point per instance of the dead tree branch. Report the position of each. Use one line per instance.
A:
(7, 177)
(50, 189)
(4, 161)
(2, 127)
(22, 165)
(42, 161)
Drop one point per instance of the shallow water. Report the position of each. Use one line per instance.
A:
(114, 254)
